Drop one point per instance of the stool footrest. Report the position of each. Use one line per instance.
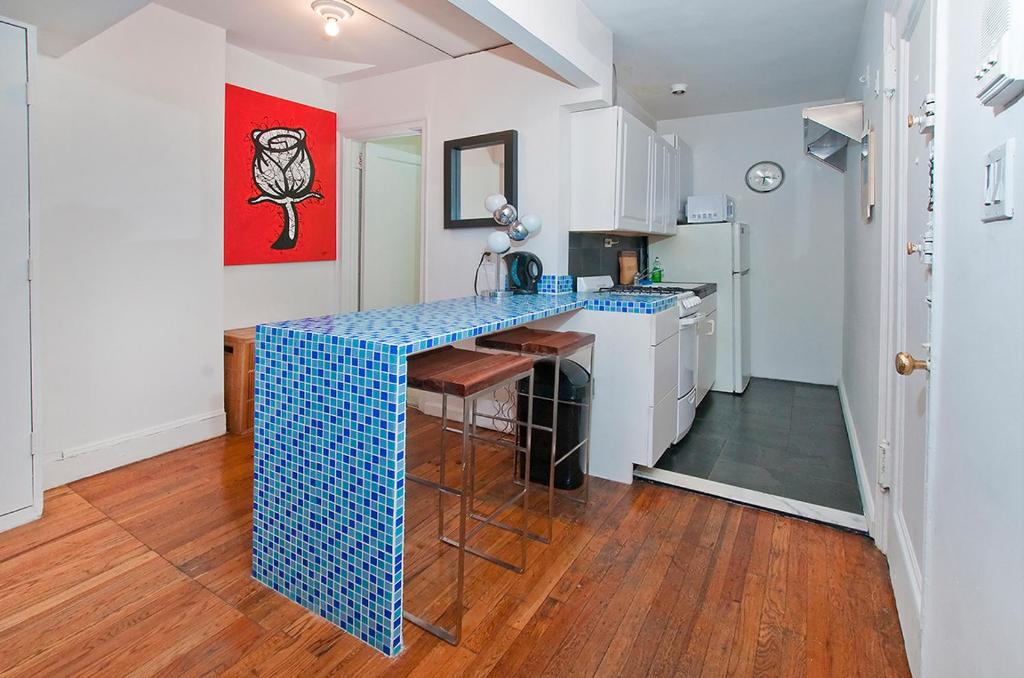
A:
(443, 634)
(486, 556)
(512, 528)
(432, 485)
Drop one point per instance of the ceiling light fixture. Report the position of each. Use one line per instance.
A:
(333, 13)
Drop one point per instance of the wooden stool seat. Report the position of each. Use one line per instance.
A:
(536, 342)
(459, 372)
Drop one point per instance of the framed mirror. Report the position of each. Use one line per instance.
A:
(474, 168)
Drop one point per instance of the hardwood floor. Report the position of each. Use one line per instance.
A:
(144, 570)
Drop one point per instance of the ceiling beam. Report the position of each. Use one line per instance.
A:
(562, 34)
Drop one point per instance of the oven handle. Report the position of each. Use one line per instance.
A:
(695, 319)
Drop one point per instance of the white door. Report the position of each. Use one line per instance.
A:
(15, 356)
(634, 174)
(907, 509)
(390, 262)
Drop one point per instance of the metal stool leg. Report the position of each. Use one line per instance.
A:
(526, 461)
(555, 402)
(469, 428)
(455, 636)
(463, 513)
(585, 449)
(444, 464)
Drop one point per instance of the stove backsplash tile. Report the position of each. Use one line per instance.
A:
(588, 254)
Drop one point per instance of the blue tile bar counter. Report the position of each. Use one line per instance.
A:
(329, 446)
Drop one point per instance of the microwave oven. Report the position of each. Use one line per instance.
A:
(705, 209)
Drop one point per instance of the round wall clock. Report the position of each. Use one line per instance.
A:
(765, 176)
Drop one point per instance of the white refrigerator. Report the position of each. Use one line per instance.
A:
(719, 253)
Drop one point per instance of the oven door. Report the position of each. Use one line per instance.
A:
(688, 356)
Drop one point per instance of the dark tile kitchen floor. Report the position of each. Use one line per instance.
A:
(779, 437)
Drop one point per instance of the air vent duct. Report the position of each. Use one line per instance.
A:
(828, 129)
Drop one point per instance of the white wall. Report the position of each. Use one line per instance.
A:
(485, 92)
(262, 293)
(973, 593)
(128, 149)
(862, 265)
(796, 236)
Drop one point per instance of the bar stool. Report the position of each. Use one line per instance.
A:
(557, 345)
(450, 371)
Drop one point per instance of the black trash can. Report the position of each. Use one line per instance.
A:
(572, 388)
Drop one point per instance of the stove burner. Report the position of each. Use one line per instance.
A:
(643, 289)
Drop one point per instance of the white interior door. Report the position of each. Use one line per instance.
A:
(907, 507)
(391, 234)
(15, 356)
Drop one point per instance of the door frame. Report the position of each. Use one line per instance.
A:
(30, 513)
(352, 140)
(888, 526)
(892, 192)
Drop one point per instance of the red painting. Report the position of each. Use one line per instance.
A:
(280, 180)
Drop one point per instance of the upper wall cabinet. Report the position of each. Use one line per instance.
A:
(624, 175)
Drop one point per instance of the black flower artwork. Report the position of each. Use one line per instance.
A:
(283, 172)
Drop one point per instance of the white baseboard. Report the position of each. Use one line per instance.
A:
(87, 460)
(20, 517)
(865, 484)
(905, 574)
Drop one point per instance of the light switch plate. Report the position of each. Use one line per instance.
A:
(999, 178)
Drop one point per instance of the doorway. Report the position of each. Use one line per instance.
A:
(389, 224)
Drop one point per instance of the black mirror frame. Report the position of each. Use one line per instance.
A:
(508, 139)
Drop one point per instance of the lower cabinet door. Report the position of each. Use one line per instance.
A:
(663, 417)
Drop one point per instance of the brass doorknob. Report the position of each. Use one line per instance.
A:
(911, 119)
(906, 363)
(912, 247)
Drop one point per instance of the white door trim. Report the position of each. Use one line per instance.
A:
(352, 139)
(35, 510)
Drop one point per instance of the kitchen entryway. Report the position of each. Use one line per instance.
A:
(782, 445)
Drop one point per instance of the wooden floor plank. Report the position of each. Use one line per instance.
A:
(645, 580)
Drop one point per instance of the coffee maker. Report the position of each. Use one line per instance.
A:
(524, 272)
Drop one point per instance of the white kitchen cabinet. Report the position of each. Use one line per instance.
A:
(681, 181)
(622, 174)
(662, 178)
(634, 180)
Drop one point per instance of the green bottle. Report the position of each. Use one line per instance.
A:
(656, 270)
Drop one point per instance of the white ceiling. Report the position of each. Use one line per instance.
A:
(736, 55)
(382, 36)
(65, 24)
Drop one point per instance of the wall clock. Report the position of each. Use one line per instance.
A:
(765, 176)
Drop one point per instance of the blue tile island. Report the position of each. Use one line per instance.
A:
(329, 446)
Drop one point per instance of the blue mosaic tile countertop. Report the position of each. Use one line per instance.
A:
(329, 446)
(421, 326)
